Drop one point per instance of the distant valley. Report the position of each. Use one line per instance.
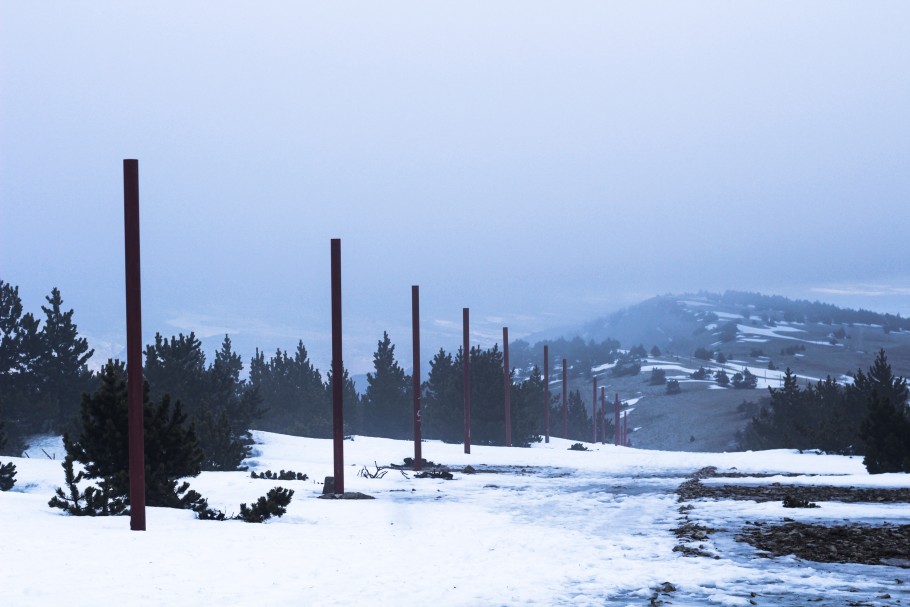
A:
(740, 332)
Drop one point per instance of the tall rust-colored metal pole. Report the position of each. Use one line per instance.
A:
(616, 423)
(134, 382)
(594, 409)
(415, 380)
(337, 369)
(507, 384)
(546, 393)
(466, 366)
(603, 416)
(565, 401)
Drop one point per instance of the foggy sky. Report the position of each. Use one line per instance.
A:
(541, 163)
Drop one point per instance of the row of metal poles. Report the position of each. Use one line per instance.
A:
(135, 380)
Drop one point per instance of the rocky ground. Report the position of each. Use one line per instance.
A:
(849, 543)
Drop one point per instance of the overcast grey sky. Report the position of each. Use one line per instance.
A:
(540, 163)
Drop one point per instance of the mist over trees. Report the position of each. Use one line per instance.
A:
(388, 401)
(579, 354)
(443, 404)
(44, 377)
(43, 370)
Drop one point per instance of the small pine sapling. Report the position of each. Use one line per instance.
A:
(284, 475)
(274, 503)
(7, 476)
(204, 512)
(438, 473)
(577, 447)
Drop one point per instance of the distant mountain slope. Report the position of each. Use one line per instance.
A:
(836, 340)
(730, 332)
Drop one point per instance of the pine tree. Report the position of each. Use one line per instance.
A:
(94, 501)
(579, 423)
(7, 476)
(222, 407)
(21, 351)
(387, 402)
(7, 471)
(176, 366)
(274, 503)
(228, 412)
(878, 382)
(745, 380)
(886, 432)
(658, 377)
(350, 402)
(443, 404)
(488, 417)
(3, 439)
(293, 394)
(62, 367)
(527, 414)
(171, 448)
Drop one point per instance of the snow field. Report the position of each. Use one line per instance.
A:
(549, 527)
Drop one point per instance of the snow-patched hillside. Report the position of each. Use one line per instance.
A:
(538, 526)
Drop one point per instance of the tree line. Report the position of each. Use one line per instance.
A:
(869, 416)
(44, 379)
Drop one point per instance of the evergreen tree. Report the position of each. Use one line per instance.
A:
(274, 503)
(745, 380)
(292, 392)
(878, 382)
(655, 351)
(7, 476)
(221, 406)
(3, 438)
(722, 378)
(886, 433)
(488, 416)
(388, 399)
(94, 501)
(228, 413)
(350, 402)
(442, 405)
(30, 387)
(62, 368)
(526, 402)
(7, 471)
(579, 424)
(803, 419)
(102, 446)
(176, 366)
(658, 377)
(673, 386)
(703, 353)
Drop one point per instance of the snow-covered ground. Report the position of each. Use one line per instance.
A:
(549, 527)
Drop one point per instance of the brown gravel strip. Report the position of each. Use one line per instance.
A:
(776, 492)
(854, 543)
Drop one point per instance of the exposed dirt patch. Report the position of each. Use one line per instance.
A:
(777, 492)
(853, 543)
